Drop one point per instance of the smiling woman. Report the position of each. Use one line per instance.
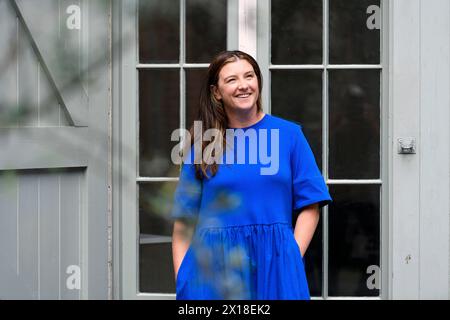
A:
(244, 246)
(237, 88)
(230, 97)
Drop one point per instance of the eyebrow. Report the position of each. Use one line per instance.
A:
(233, 75)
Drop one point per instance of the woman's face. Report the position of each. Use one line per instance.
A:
(237, 86)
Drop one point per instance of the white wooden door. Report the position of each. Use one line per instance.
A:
(165, 53)
(54, 101)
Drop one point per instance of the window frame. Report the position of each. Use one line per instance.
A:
(126, 241)
(244, 34)
(263, 57)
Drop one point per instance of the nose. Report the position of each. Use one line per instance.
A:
(242, 85)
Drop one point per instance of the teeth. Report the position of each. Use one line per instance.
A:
(244, 95)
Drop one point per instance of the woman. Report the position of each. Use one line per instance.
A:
(233, 236)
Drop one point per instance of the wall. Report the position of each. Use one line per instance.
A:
(419, 104)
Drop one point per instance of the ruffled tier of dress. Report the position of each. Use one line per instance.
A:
(258, 261)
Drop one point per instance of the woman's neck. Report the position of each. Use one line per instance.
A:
(242, 120)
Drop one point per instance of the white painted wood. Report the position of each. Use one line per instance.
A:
(28, 82)
(248, 26)
(50, 147)
(99, 157)
(405, 101)
(232, 24)
(58, 51)
(128, 164)
(8, 65)
(23, 81)
(69, 232)
(38, 228)
(354, 181)
(263, 47)
(116, 149)
(434, 158)
(50, 113)
(8, 234)
(49, 236)
(28, 189)
(386, 159)
(420, 55)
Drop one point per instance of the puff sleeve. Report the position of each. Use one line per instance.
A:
(308, 184)
(188, 194)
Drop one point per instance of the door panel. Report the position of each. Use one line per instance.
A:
(34, 102)
(58, 49)
(331, 85)
(172, 62)
(40, 227)
(53, 238)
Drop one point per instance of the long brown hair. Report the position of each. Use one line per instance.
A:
(211, 112)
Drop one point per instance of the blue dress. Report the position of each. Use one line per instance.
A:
(243, 246)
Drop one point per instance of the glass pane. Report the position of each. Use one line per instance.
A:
(313, 262)
(354, 122)
(158, 116)
(155, 200)
(354, 240)
(297, 96)
(155, 228)
(159, 31)
(156, 268)
(355, 31)
(296, 32)
(206, 29)
(194, 82)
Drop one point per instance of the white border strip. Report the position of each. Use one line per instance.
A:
(248, 27)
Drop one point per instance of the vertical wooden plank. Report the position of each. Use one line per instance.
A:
(116, 148)
(28, 236)
(128, 167)
(405, 99)
(8, 233)
(49, 235)
(387, 151)
(248, 26)
(97, 173)
(8, 65)
(263, 34)
(70, 211)
(84, 236)
(28, 81)
(434, 158)
(233, 24)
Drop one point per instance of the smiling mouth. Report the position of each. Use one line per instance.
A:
(245, 95)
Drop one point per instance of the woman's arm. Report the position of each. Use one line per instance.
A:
(181, 239)
(305, 226)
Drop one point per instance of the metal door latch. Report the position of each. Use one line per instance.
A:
(406, 145)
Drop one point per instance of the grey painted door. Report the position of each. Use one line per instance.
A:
(54, 102)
